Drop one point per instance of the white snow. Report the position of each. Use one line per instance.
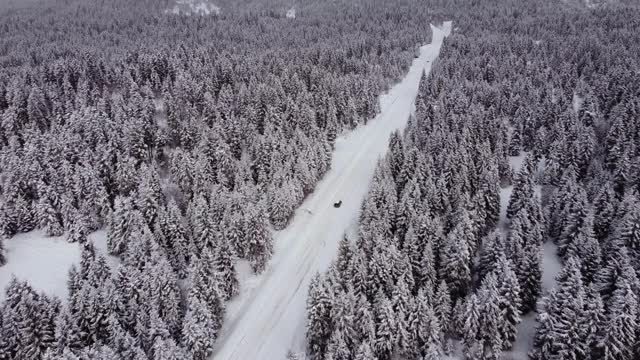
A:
(268, 317)
(551, 266)
(197, 7)
(291, 13)
(524, 338)
(45, 261)
(577, 103)
(42, 261)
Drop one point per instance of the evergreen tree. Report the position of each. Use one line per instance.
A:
(562, 321)
(259, 239)
(522, 189)
(510, 305)
(319, 306)
(492, 247)
(386, 329)
(199, 329)
(120, 226)
(226, 270)
(3, 257)
(455, 265)
(618, 335)
(365, 352)
(49, 219)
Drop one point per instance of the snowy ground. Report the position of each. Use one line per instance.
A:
(195, 7)
(551, 266)
(268, 317)
(45, 261)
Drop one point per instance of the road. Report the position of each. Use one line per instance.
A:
(268, 317)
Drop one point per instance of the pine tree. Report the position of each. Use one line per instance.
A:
(490, 332)
(386, 329)
(205, 287)
(629, 233)
(123, 343)
(120, 226)
(319, 305)
(343, 314)
(202, 228)
(442, 306)
(562, 321)
(402, 307)
(3, 256)
(337, 348)
(509, 303)
(344, 259)
(586, 248)
(605, 205)
(364, 325)
(522, 189)
(426, 273)
(172, 236)
(492, 247)
(595, 314)
(490, 197)
(455, 265)
(260, 240)
(167, 349)
(471, 324)
(48, 217)
(226, 270)
(365, 352)
(359, 272)
(199, 329)
(426, 325)
(618, 335)
(149, 195)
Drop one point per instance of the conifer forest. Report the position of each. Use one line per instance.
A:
(319, 179)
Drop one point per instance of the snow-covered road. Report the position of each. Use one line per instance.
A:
(268, 317)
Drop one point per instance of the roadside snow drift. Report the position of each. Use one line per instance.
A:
(268, 318)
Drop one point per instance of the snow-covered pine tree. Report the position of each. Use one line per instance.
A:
(344, 260)
(562, 319)
(365, 352)
(3, 256)
(48, 218)
(386, 329)
(455, 265)
(199, 328)
(617, 338)
(259, 238)
(492, 247)
(586, 248)
(122, 342)
(319, 304)
(149, 195)
(522, 190)
(490, 332)
(365, 327)
(225, 269)
(509, 301)
(120, 225)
